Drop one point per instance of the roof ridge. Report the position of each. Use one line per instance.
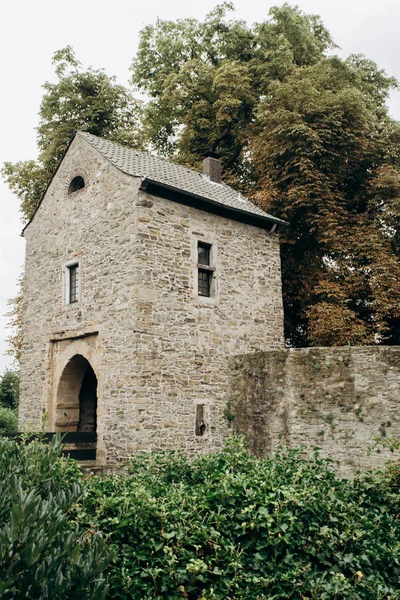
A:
(155, 156)
(174, 176)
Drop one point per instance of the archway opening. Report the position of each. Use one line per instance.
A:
(88, 402)
(76, 406)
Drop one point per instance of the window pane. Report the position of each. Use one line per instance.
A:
(204, 283)
(73, 283)
(204, 254)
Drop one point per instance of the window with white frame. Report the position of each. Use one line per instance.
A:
(205, 270)
(72, 283)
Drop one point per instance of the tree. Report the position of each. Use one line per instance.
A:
(87, 100)
(8, 420)
(9, 389)
(14, 315)
(9, 397)
(309, 138)
(205, 80)
(325, 153)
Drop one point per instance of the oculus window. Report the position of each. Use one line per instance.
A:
(76, 184)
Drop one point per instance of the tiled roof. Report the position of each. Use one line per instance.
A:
(161, 171)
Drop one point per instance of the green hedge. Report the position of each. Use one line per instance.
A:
(226, 526)
(230, 526)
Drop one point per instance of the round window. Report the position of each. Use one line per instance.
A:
(76, 184)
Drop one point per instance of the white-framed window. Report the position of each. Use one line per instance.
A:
(205, 270)
(72, 282)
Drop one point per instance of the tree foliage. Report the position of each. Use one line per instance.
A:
(9, 397)
(9, 389)
(8, 420)
(305, 134)
(87, 100)
(205, 79)
(326, 157)
(14, 315)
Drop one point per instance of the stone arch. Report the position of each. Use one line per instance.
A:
(76, 400)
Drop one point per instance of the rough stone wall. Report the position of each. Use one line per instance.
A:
(156, 348)
(96, 226)
(339, 399)
(182, 340)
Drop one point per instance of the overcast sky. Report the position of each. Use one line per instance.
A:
(106, 35)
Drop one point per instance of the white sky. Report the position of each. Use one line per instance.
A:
(106, 35)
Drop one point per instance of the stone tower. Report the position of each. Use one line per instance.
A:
(142, 277)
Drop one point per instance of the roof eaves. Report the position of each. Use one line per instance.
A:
(262, 220)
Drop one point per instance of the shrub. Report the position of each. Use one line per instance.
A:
(42, 553)
(230, 526)
(8, 420)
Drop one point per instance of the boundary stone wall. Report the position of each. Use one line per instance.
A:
(342, 400)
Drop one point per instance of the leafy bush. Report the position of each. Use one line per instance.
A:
(8, 420)
(226, 526)
(42, 553)
(230, 526)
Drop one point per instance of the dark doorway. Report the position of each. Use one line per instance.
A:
(76, 404)
(88, 402)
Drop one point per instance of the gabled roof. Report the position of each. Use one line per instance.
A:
(177, 182)
(175, 177)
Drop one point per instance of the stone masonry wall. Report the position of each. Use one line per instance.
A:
(94, 225)
(183, 341)
(157, 348)
(339, 399)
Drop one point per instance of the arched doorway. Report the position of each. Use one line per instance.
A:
(76, 405)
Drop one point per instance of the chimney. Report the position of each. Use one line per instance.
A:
(212, 167)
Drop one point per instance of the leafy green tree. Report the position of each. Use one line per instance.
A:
(205, 79)
(87, 100)
(326, 157)
(9, 389)
(309, 138)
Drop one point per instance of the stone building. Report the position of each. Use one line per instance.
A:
(142, 278)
